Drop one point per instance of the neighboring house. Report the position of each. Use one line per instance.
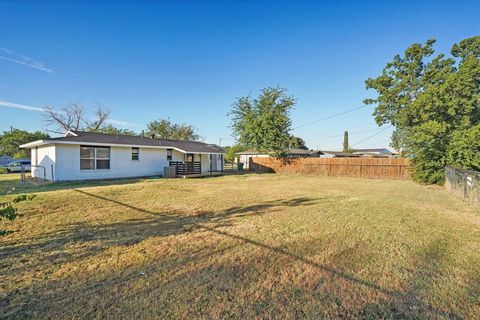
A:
(84, 155)
(5, 160)
(364, 153)
(374, 151)
(244, 156)
(358, 153)
(339, 154)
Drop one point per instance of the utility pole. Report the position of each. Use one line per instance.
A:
(220, 142)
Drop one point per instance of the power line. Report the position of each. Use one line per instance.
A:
(369, 137)
(328, 117)
(350, 133)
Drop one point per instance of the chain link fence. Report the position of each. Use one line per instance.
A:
(463, 183)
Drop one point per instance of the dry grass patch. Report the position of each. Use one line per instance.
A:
(270, 246)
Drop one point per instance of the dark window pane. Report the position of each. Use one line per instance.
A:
(87, 164)
(103, 164)
(135, 153)
(169, 154)
(87, 153)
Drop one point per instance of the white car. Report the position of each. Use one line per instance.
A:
(16, 166)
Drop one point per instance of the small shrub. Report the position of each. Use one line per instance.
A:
(9, 211)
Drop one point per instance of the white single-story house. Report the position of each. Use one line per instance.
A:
(84, 155)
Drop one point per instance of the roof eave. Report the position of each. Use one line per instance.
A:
(47, 142)
(36, 143)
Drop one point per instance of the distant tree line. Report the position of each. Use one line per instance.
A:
(10, 142)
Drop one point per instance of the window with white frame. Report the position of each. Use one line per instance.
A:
(169, 154)
(94, 158)
(135, 153)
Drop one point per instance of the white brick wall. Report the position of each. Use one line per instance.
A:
(151, 162)
(42, 160)
(66, 161)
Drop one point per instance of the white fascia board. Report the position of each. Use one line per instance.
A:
(71, 133)
(35, 144)
(49, 142)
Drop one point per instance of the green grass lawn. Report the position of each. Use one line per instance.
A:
(251, 246)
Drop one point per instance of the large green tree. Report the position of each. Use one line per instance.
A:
(264, 123)
(165, 129)
(10, 142)
(464, 149)
(298, 142)
(427, 99)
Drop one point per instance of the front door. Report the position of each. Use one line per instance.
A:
(213, 162)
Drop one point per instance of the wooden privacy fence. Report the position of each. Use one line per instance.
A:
(374, 168)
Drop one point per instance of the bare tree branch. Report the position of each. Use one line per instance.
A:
(60, 119)
(73, 117)
(101, 115)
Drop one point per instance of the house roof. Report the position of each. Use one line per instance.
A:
(342, 154)
(90, 138)
(381, 150)
(250, 152)
(303, 151)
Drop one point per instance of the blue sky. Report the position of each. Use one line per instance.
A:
(189, 60)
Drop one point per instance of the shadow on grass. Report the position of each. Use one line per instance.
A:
(399, 304)
(15, 186)
(51, 248)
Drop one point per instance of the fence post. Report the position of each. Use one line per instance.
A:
(22, 175)
(399, 171)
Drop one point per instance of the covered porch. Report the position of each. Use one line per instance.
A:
(195, 164)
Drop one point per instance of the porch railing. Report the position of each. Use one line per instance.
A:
(183, 168)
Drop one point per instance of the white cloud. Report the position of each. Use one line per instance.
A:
(9, 55)
(13, 105)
